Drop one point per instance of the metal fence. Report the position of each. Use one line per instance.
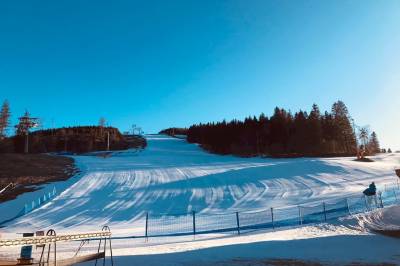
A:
(197, 223)
(40, 248)
(194, 223)
(34, 204)
(39, 201)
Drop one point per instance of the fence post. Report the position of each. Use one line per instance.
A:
(348, 208)
(238, 223)
(366, 203)
(394, 192)
(272, 218)
(380, 199)
(194, 222)
(147, 226)
(300, 218)
(323, 204)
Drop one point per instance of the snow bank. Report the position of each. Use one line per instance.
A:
(380, 220)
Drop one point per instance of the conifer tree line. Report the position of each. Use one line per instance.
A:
(284, 134)
(78, 139)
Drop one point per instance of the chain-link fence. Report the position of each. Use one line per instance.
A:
(197, 223)
(193, 223)
(152, 226)
(39, 201)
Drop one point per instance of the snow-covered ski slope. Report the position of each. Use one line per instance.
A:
(172, 176)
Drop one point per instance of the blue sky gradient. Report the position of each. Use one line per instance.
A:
(174, 63)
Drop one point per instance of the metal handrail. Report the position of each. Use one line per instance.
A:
(40, 240)
(12, 185)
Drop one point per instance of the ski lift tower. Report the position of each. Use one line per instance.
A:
(26, 122)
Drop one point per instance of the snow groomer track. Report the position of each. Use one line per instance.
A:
(172, 178)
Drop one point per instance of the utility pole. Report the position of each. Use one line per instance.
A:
(66, 143)
(133, 129)
(108, 140)
(52, 127)
(25, 123)
(26, 149)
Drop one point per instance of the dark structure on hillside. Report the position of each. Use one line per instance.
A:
(72, 140)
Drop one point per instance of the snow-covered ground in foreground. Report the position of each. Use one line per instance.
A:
(350, 241)
(172, 176)
(345, 242)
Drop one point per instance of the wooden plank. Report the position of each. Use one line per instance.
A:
(79, 259)
(8, 262)
(64, 262)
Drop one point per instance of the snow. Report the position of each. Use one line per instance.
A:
(382, 220)
(349, 241)
(10, 209)
(174, 177)
(334, 244)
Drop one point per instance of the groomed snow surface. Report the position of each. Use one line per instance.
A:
(172, 177)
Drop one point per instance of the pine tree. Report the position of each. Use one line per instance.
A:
(314, 131)
(373, 144)
(299, 132)
(281, 134)
(4, 118)
(279, 125)
(328, 133)
(345, 136)
(263, 135)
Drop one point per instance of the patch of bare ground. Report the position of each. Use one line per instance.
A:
(390, 233)
(365, 160)
(27, 171)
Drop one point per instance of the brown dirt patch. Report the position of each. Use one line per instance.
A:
(27, 171)
(391, 233)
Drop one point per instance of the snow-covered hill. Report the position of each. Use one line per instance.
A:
(174, 177)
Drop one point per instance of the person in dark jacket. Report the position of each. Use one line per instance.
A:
(371, 190)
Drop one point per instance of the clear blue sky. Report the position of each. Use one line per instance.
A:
(174, 63)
